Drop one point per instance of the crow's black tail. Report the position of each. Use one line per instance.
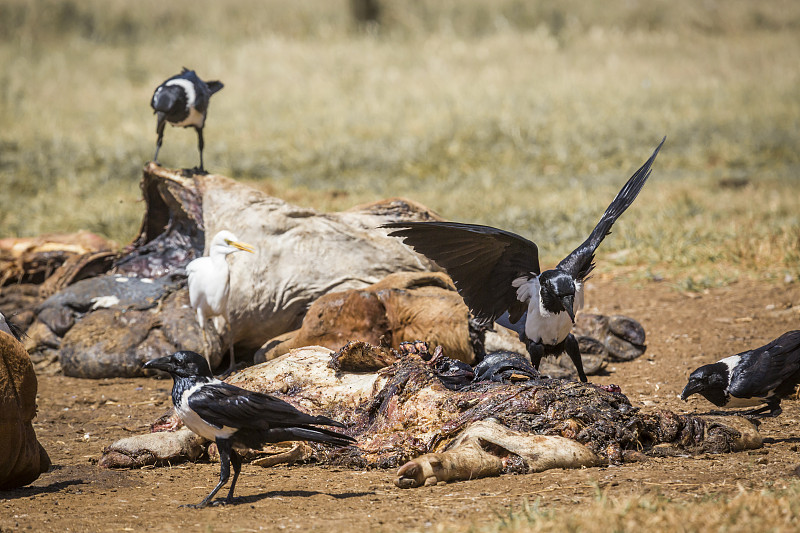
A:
(312, 434)
(214, 86)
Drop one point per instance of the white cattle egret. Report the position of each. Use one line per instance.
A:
(209, 281)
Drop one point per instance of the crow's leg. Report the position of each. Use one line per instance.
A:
(225, 449)
(773, 407)
(236, 461)
(571, 347)
(536, 351)
(160, 131)
(200, 146)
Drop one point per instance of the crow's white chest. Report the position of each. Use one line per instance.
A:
(195, 119)
(542, 325)
(194, 422)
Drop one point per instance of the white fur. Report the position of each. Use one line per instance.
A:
(543, 326)
(193, 421)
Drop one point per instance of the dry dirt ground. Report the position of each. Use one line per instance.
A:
(77, 418)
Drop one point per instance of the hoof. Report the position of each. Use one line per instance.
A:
(415, 474)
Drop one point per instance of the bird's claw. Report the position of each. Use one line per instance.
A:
(200, 505)
(215, 503)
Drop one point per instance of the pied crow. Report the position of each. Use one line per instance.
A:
(497, 273)
(231, 416)
(182, 101)
(762, 375)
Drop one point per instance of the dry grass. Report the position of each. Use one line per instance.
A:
(769, 510)
(524, 115)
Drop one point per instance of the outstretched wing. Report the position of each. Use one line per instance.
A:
(222, 404)
(759, 375)
(580, 262)
(483, 261)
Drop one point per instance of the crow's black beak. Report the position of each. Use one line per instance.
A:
(693, 387)
(568, 302)
(162, 363)
(161, 117)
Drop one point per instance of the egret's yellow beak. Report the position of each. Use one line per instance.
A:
(243, 246)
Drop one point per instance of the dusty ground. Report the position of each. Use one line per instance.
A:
(77, 418)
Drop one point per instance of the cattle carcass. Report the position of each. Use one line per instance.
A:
(109, 324)
(433, 426)
(406, 306)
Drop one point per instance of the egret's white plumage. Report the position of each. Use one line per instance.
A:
(209, 280)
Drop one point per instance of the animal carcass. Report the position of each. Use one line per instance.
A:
(404, 417)
(139, 305)
(22, 458)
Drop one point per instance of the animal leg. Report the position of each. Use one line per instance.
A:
(571, 347)
(469, 461)
(774, 409)
(200, 146)
(230, 332)
(201, 319)
(225, 449)
(484, 447)
(236, 461)
(160, 131)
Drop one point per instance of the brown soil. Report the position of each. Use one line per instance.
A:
(77, 418)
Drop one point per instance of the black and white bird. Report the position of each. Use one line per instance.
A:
(231, 416)
(183, 101)
(763, 375)
(497, 273)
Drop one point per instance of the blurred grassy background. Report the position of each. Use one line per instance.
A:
(524, 115)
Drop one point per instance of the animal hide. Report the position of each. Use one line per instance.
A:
(22, 458)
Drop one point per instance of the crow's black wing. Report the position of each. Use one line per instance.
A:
(483, 261)
(580, 262)
(222, 404)
(759, 375)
